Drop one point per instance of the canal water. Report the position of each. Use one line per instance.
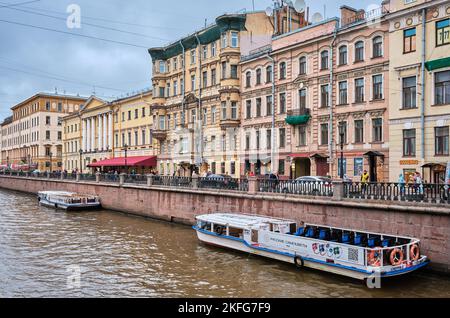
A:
(116, 255)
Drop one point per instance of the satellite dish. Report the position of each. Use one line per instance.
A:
(317, 17)
(269, 11)
(299, 5)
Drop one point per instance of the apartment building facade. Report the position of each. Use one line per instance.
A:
(34, 135)
(419, 36)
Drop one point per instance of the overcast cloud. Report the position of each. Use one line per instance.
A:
(34, 60)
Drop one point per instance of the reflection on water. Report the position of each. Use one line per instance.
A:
(124, 256)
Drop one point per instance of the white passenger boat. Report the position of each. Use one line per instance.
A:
(68, 200)
(357, 254)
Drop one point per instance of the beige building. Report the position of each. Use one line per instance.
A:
(419, 88)
(34, 136)
(196, 103)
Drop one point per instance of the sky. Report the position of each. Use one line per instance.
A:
(34, 58)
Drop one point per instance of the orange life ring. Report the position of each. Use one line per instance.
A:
(414, 252)
(396, 257)
(374, 257)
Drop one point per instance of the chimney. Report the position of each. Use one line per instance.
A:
(348, 15)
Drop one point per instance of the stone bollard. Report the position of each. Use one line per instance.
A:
(195, 181)
(78, 177)
(150, 178)
(97, 177)
(122, 179)
(253, 185)
(62, 175)
(48, 175)
(338, 190)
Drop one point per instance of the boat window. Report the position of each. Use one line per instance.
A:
(220, 229)
(236, 232)
(204, 225)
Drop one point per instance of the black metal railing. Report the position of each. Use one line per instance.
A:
(87, 177)
(307, 188)
(223, 183)
(168, 181)
(109, 178)
(428, 193)
(136, 179)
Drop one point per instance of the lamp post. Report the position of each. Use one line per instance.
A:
(81, 160)
(125, 148)
(51, 165)
(341, 135)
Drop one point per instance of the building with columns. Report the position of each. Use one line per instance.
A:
(34, 135)
(419, 113)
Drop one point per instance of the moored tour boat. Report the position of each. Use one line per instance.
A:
(352, 253)
(68, 200)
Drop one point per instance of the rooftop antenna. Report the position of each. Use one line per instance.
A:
(317, 17)
(56, 90)
(253, 5)
(299, 6)
(93, 91)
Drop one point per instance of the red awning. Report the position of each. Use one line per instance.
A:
(147, 161)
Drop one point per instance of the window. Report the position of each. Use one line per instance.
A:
(233, 110)
(282, 70)
(302, 135)
(193, 82)
(234, 71)
(193, 56)
(324, 95)
(377, 46)
(302, 98)
(224, 40)
(193, 116)
(258, 139)
(59, 135)
(175, 88)
(247, 141)
(268, 138)
(343, 55)
(269, 105)
(60, 107)
(213, 114)
(409, 92)
(342, 130)
(359, 51)
(258, 76)
(175, 121)
(248, 79)
(443, 32)
(282, 103)
(47, 134)
(324, 60)
(161, 92)
(175, 63)
(442, 88)
(359, 131)
(168, 89)
(224, 70)
(359, 90)
(248, 109)
(409, 40)
(343, 93)
(324, 134)
(281, 168)
(213, 49)
(377, 125)
(302, 65)
(282, 137)
(47, 120)
(205, 79)
(409, 142)
(269, 74)
(162, 122)
(377, 89)
(213, 77)
(234, 39)
(224, 110)
(136, 141)
(258, 107)
(136, 114)
(129, 115)
(47, 106)
(205, 52)
(143, 137)
(441, 141)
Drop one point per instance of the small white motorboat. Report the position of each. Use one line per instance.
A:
(68, 201)
(352, 253)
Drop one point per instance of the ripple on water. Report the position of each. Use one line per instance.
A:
(123, 256)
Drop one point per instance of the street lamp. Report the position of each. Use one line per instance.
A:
(125, 148)
(51, 166)
(81, 160)
(341, 135)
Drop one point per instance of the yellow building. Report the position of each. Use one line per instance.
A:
(196, 100)
(102, 130)
(34, 134)
(419, 88)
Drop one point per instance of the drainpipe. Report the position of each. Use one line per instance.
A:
(331, 130)
(200, 110)
(422, 98)
(183, 117)
(272, 151)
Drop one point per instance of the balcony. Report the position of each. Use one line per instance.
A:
(299, 116)
(160, 134)
(229, 123)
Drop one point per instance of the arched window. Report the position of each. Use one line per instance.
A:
(377, 46)
(282, 70)
(248, 79)
(343, 55)
(302, 65)
(359, 51)
(324, 60)
(269, 74)
(258, 76)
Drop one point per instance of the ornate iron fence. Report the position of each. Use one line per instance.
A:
(223, 183)
(310, 188)
(168, 181)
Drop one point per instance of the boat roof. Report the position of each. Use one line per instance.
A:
(57, 192)
(66, 194)
(240, 220)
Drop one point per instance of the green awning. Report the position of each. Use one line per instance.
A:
(437, 64)
(298, 120)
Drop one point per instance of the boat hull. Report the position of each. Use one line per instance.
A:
(241, 245)
(70, 207)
